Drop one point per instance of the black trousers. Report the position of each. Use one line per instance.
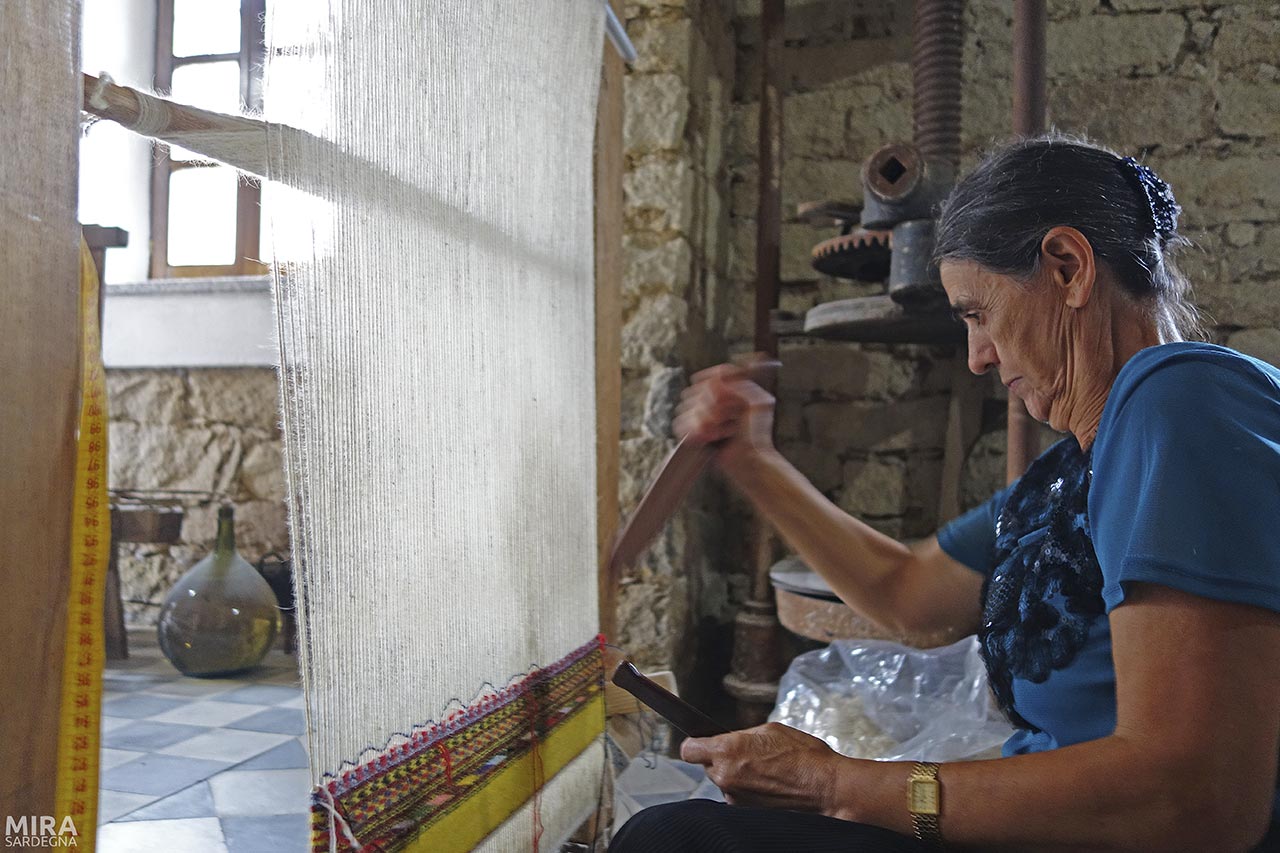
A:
(705, 826)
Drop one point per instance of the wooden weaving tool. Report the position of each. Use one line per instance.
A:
(673, 481)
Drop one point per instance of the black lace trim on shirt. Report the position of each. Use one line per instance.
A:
(1046, 588)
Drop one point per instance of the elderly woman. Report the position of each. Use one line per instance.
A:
(1125, 590)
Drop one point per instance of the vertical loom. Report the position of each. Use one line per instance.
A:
(438, 381)
(438, 387)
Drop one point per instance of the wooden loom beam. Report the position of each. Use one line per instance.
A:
(608, 244)
(124, 105)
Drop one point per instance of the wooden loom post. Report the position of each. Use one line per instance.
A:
(608, 244)
(40, 350)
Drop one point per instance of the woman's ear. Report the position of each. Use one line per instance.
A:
(1067, 259)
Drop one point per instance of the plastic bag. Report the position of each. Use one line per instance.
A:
(883, 700)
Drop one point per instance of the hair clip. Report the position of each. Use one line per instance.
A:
(1164, 208)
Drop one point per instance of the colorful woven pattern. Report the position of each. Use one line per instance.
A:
(452, 783)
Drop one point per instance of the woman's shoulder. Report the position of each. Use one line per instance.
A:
(1189, 378)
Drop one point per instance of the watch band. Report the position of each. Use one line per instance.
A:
(924, 822)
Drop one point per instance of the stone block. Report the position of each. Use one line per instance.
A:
(1244, 252)
(788, 418)
(1246, 42)
(919, 424)
(1247, 108)
(1230, 188)
(656, 110)
(1242, 303)
(163, 457)
(820, 467)
(798, 240)
(647, 615)
(1240, 234)
(743, 191)
(635, 388)
(262, 471)
(1102, 46)
(655, 332)
(988, 41)
(1259, 343)
(243, 397)
(983, 473)
(924, 488)
(262, 527)
(200, 525)
(638, 462)
(846, 371)
(988, 107)
(817, 180)
(665, 385)
(742, 250)
(815, 123)
(1152, 111)
(662, 44)
(147, 574)
(662, 265)
(659, 195)
(874, 487)
(147, 396)
(1153, 5)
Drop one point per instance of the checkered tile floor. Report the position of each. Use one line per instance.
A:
(196, 764)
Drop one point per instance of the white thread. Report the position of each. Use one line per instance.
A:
(97, 95)
(335, 817)
(153, 116)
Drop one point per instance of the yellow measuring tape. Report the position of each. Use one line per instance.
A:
(78, 736)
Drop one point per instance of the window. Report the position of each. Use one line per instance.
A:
(205, 220)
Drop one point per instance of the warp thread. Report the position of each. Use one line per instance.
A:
(534, 738)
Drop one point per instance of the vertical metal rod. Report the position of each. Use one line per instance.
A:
(757, 662)
(1029, 20)
(768, 238)
(1029, 100)
(769, 207)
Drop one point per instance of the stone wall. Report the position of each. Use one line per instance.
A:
(214, 432)
(675, 603)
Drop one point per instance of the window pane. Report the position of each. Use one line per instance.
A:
(206, 26)
(212, 85)
(290, 223)
(202, 216)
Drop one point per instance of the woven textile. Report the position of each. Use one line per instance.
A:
(437, 375)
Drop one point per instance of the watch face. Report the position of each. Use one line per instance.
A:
(924, 796)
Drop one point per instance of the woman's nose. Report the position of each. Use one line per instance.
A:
(982, 355)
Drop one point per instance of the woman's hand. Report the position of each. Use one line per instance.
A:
(723, 405)
(775, 766)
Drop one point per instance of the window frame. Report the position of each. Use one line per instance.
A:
(250, 58)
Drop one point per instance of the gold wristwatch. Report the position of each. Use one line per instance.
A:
(924, 801)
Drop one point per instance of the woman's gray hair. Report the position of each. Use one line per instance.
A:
(998, 214)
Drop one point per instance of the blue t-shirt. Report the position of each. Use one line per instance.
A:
(1180, 488)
